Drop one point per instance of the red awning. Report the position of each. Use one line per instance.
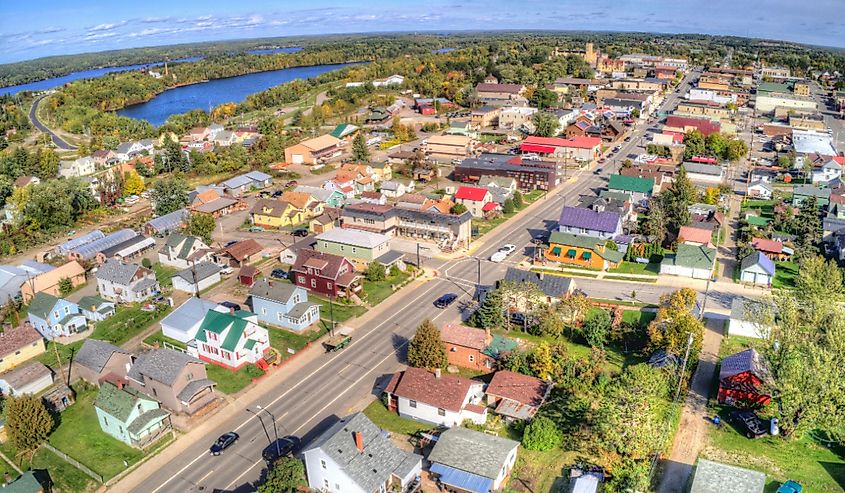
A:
(489, 206)
(537, 148)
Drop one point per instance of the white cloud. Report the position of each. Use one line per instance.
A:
(108, 26)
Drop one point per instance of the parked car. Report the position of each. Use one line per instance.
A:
(291, 183)
(445, 300)
(280, 448)
(279, 274)
(753, 425)
(229, 243)
(231, 305)
(225, 441)
(226, 270)
(300, 232)
(277, 194)
(256, 229)
(597, 171)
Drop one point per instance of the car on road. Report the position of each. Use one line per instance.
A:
(300, 232)
(628, 139)
(225, 441)
(256, 229)
(291, 183)
(280, 448)
(502, 253)
(445, 300)
(597, 171)
(279, 274)
(750, 423)
(602, 160)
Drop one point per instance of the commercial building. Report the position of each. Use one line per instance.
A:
(529, 175)
(313, 151)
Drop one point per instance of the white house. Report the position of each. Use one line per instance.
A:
(83, 166)
(197, 277)
(393, 80)
(230, 340)
(746, 317)
(757, 269)
(444, 400)
(760, 189)
(455, 460)
(356, 456)
(183, 323)
(181, 251)
(829, 171)
(125, 283)
(706, 173)
(393, 189)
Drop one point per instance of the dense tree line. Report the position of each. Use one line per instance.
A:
(12, 117)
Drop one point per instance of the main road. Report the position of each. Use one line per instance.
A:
(308, 399)
(33, 117)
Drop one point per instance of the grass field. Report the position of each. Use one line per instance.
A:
(160, 339)
(342, 311)
(164, 275)
(377, 291)
(649, 269)
(230, 382)
(785, 273)
(127, 323)
(391, 421)
(282, 339)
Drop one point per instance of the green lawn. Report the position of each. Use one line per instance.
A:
(649, 269)
(230, 382)
(127, 323)
(164, 275)
(734, 344)
(480, 227)
(765, 206)
(374, 292)
(642, 318)
(342, 311)
(646, 278)
(282, 339)
(391, 421)
(65, 476)
(785, 273)
(160, 339)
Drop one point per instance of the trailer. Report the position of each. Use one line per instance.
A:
(341, 339)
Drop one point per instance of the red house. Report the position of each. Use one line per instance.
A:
(324, 273)
(744, 378)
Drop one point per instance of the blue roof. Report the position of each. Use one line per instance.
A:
(461, 479)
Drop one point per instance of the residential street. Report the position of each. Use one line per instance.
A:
(33, 117)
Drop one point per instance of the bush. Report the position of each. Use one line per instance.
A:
(541, 434)
(375, 272)
(147, 263)
(596, 328)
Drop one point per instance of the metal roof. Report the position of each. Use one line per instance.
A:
(168, 222)
(462, 480)
(82, 240)
(90, 250)
(713, 477)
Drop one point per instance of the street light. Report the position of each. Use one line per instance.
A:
(273, 418)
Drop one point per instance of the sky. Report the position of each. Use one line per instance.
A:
(30, 29)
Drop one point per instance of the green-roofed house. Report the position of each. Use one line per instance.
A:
(55, 317)
(130, 416)
(230, 340)
(344, 131)
(582, 251)
(95, 308)
(692, 261)
(640, 189)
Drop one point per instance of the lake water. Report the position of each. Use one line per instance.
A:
(85, 74)
(209, 94)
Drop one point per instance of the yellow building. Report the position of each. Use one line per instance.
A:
(582, 251)
(271, 213)
(18, 345)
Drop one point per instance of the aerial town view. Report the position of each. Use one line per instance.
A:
(422, 247)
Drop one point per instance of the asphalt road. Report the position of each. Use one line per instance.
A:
(310, 399)
(33, 117)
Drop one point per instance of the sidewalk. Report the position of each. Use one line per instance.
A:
(693, 428)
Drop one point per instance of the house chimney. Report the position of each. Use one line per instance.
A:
(437, 373)
(231, 310)
(359, 440)
(488, 337)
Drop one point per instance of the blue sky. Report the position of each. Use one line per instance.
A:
(32, 29)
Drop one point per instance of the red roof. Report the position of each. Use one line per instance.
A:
(461, 335)
(695, 235)
(537, 148)
(767, 246)
(526, 390)
(489, 206)
(446, 392)
(471, 193)
(576, 142)
(705, 126)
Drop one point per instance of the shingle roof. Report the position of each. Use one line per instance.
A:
(41, 304)
(26, 483)
(193, 388)
(272, 290)
(630, 184)
(161, 365)
(15, 338)
(145, 419)
(524, 389)
(696, 257)
(758, 258)
(118, 402)
(472, 451)
(462, 335)
(507, 88)
(330, 269)
(243, 249)
(697, 235)
(551, 285)
(446, 392)
(745, 361)
(199, 272)
(94, 354)
(117, 272)
(371, 469)
(580, 217)
(26, 374)
(219, 322)
(713, 477)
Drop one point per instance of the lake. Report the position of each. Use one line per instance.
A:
(42, 85)
(209, 94)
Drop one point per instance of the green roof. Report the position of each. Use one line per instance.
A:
(250, 343)
(696, 257)
(630, 184)
(585, 242)
(118, 402)
(773, 87)
(499, 346)
(41, 304)
(218, 322)
(342, 130)
(89, 302)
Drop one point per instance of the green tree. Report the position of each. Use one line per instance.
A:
(286, 475)
(65, 286)
(596, 328)
(818, 282)
(737, 148)
(518, 199)
(202, 226)
(550, 323)
(508, 207)
(807, 224)
(693, 144)
(376, 272)
(458, 209)
(542, 434)
(716, 144)
(360, 151)
(28, 422)
(678, 199)
(546, 124)
(490, 313)
(426, 349)
(170, 194)
(656, 223)
(635, 113)
(544, 98)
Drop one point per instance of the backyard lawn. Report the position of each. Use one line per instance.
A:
(127, 323)
(391, 421)
(282, 339)
(164, 275)
(374, 292)
(159, 338)
(230, 382)
(649, 269)
(785, 273)
(765, 206)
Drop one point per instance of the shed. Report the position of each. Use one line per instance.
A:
(714, 477)
(31, 378)
(744, 377)
(248, 275)
(757, 269)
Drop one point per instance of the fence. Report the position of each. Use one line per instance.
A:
(70, 460)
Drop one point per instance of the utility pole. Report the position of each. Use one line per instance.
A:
(478, 281)
(683, 367)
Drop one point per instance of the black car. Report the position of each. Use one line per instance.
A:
(231, 305)
(280, 448)
(225, 441)
(229, 243)
(277, 193)
(445, 300)
(301, 232)
(754, 426)
(279, 274)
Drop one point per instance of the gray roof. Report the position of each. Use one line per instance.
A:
(431, 216)
(168, 222)
(272, 290)
(300, 309)
(94, 354)
(82, 240)
(703, 169)
(90, 250)
(203, 271)
(161, 365)
(25, 375)
(188, 313)
(713, 477)
(472, 451)
(551, 285)
(390, 258)
(117, 272)
(747, 309)
(146, 418)
(318, 193)
(371, 469)
(193, 388)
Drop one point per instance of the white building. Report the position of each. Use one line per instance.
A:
(183, 323)
(393, 80)
(746, 315)
(197, 277)
(711, 95)
(230, 340)
(83, 166)
(444, 400)
(706, 173)
(829, 171)
(760, 189)
(455, 459)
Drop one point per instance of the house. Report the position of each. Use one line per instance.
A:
(554, 287)
(274, 213)
(196, 278)
(344, 131)
(97, 359)
(455, 460)
(500, 94)
(25, 181)
(829, 171)
(744, 377)
(748, 318)
(29, 378)
(213, 202)
(757, 269)
(224, 138)
(515, 395)
(640, 189)
(373, 198)
(692, 261)
(704, 173)
(582, 221)
(182, 323)
(126, 283)
(313, 151)
(181, 251)
(49, 282)
(485, 116)
(247, 275)
(760, 189)
(331, 198)
(240, 253)
(393, 189)
(615, 202)
(356, 456)
(176, 379)
(771, 248)
(55, 317)
(361, 247)
(325, 221)
(475, 199)
(83, 166)
(239, 185)
(692, 235)
(393, 80)
(517, 117)
(505, 183)
(19, 344)
(714, 477)
(130, 416)
(465, 346)
(582, 250)
(430, 397)
(329, 275)
(529, 175)
(579, 149)
(449, 147)
(283, 304)
(96, 309)
(230, 340)
(304, 204)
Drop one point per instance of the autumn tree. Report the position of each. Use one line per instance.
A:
(573, 308)
(28, 422)
(541, 361)
(426, 349)
(675, 322)
(550, 323)
(133, 183)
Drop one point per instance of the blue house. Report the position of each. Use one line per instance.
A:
(284, 305)
(95, 308)
(55, 317)
(130, 416)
